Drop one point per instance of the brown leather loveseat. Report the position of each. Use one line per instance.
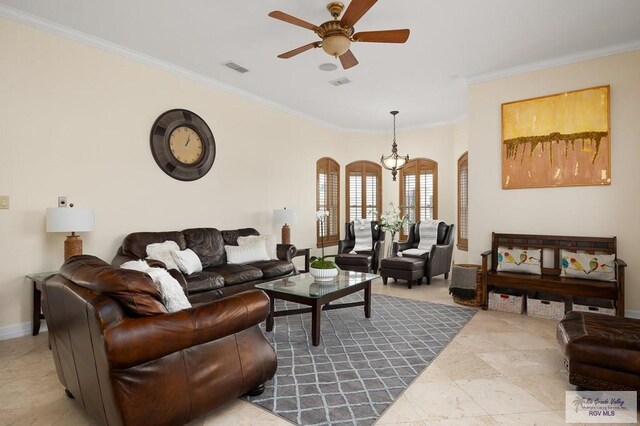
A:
(218, 278)
(128, 362)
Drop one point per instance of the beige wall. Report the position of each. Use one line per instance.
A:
(435, 143)
(591, 211)
(75, 121)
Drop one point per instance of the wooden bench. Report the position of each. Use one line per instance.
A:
(550, 281)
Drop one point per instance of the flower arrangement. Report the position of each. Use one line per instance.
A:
(392, 220)
(322, 262)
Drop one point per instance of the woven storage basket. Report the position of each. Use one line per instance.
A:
(456, 273)
(545, 306)
(597, 306)
(506, 301)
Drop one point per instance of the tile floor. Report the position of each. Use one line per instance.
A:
(502, 369)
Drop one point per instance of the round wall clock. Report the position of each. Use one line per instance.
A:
(183, 145)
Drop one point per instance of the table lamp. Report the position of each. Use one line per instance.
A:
(284, 217)
(70, 219)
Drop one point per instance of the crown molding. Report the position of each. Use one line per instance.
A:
(141, 58)
(135, 56)
(551, 63)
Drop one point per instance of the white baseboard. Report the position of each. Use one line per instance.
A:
(19, 330)
(632, 314)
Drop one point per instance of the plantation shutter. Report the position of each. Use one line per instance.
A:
(363, 190)
(463, 202)
(419, 191)
(355, 195)
(328, 199)
(426, 195)
(371, 192)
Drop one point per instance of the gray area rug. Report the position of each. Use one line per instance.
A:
(362, 365)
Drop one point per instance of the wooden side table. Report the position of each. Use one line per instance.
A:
(306, 252)
(38, 280)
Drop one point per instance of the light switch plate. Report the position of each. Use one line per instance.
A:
(4, 201)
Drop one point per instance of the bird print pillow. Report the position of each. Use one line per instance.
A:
(519, 260)
(587, 266)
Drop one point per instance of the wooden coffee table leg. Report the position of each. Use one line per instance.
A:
(271, 311)
(367, 300)
(315, 322)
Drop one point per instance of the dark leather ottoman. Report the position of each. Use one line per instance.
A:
(354, 262)
(402, 268)
(601, 352)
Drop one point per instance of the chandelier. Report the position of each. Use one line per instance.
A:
(394, 162)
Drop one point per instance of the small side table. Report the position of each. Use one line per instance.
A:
(37, 280)
(306, 252)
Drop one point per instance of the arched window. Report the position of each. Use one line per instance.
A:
(328, 199)
(419, 191)
(463, 202)
(364, 190)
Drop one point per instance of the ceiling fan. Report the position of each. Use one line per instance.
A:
(337, 35)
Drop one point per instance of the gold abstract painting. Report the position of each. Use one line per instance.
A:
(557, 140)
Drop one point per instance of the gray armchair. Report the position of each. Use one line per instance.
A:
(438, 259)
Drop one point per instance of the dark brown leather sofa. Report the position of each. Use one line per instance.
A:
(438, 260)
(128, 362)
(218, 278)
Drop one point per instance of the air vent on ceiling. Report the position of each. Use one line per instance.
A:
(340, 82)
(236, 67)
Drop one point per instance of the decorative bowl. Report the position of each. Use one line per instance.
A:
(323, 274)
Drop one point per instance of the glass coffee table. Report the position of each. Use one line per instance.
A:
(305, 290)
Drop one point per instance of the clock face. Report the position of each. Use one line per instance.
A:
(185, 145)
(182, 144)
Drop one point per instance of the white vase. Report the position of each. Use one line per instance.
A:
(323, 274)
(390, 245)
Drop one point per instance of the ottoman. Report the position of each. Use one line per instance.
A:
(354, 262)
(601, 352)
(403, 268)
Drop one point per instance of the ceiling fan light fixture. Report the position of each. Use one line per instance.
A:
(336, 45)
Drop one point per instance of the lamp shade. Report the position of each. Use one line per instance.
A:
(283, 216)
(70, 219)
(394, 162)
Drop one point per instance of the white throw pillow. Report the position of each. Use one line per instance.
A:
(414, 253)
(587, 266)
(136, 265)
(162, 252)
(172, 294)
(364, 239)
(519, 260)
(187, 260)
(247, 253)
(428, 231)
(268, 240)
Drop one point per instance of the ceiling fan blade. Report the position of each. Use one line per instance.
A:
(355, 11)
(387, 36)
(292, 20)
(348, 60)
(294, 52)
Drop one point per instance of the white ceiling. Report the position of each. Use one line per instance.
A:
(451, 42)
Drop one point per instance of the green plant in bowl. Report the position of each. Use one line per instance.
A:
(322, 262)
